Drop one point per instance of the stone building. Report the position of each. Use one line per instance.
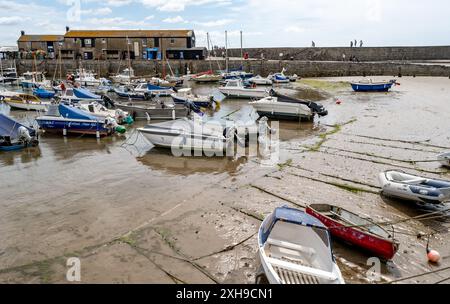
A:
(115, 44)
(46, 46)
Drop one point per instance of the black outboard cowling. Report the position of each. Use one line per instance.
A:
(315, 107)
(108, 102)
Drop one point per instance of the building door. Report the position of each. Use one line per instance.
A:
(136, 48)
(88, 56)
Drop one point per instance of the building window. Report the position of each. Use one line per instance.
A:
(172, 40)
(103, 40)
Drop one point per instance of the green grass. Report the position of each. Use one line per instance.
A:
(325, 85)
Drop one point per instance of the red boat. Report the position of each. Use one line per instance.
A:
(355, 230)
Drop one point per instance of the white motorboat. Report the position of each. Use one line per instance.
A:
(74, 95)
(293, 78)
(279, 78)
(34, 80)
(414, 188)
(125, 77)
(27, 102)
(235, 88)
(443, 158)
(295, 248)
(190, 134)
(185, 95)
(272, 108)
(100, 111)
(153, 90)
(259, 80)
(5, 93)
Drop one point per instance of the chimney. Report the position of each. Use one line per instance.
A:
(22, 33)
(67, 29)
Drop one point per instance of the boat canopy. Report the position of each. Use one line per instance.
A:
(152, 87)
(74, 113)
(10, 127)
(85, 94)
(298, 217)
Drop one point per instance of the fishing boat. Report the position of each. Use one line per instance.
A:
(259, 80)
(279, 78)
(316, 108)
(88, 78)
(98, 110)
(153, 111)
(354, 229)
(32, 80)
(125, 92)
(27, 102)
(66, 119)
(295, 248)
(184, 95)
(235, 88)
(14, 135)
(414, 188)
(9, 75)
(43, 93)
(271, 107)
(444, 159)
(153, 90)
(369, 85)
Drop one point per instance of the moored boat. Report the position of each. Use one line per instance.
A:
(295, 248)
(414, 188)
(259, 80)
(153, 111)
(185, 95)
(235, 88)
(43, 93)
(66, 119)
(27, 102)
(316, 108)
(371, 86)
(279, 78)
(207, 78)
(272, 108)
(153, 90)
(444, 159)
(14, 135)
(354, 229)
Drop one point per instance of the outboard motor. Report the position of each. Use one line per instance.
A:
(24, 136)
(318, 109)
(108, 101)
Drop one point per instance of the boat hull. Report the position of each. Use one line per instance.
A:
(357, 87)
(174, 140)
(77, 126)
(156, 113)
(243, 93)
(382, 248)
(198, 103)
(27, 106)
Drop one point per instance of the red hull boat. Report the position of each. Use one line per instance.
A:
(368, 235)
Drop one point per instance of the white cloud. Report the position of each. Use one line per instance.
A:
(177, 19)
(97, 12)
(220, 22)
(294, 29)
(13, 20)
(180, 5)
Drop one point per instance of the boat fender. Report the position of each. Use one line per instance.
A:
(2, 97)
(432, 255)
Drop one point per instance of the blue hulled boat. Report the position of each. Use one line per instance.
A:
(15, 136)
(67, 119)
(43, 93)
(369, 86)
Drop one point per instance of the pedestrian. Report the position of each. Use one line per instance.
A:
(351, 44)
(361, 43)
(356, 42)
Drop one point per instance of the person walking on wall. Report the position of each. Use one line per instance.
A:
(313, 44)
(351, 44)
(361, 43)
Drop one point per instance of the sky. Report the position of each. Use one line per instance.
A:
(265, 23)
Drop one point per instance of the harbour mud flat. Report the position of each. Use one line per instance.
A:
(133, 214)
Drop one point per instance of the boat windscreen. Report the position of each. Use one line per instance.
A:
(314, 238)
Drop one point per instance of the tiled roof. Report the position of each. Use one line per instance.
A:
(39, 38)
(130, 34)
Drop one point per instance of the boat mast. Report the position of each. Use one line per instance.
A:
(129, 58)
(242, 52)
(226, 50)
(209, 53)
(1, 70)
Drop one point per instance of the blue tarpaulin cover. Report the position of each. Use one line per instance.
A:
(10, 127)
(74, 113)
(85, 94)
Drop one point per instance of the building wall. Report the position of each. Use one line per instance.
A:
(262, 67)
(362, 54)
